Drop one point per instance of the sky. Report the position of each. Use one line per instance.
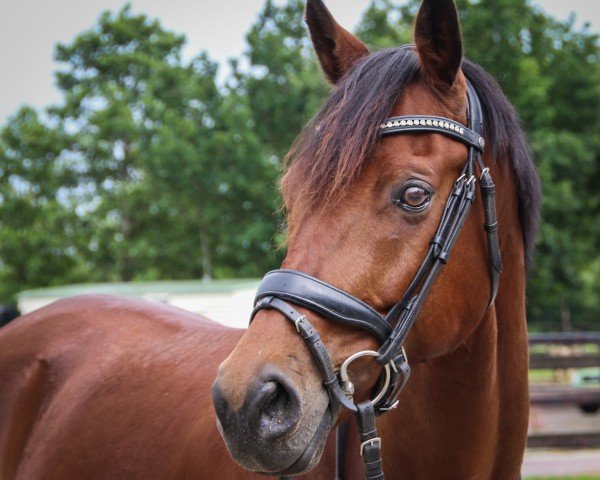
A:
(29, 30)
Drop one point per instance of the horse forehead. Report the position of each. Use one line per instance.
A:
(428, 154)
(421, 152)
(418, 98)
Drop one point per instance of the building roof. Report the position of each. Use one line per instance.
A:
(144, 288)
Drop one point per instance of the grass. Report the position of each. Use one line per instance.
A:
(578, 477)
(541, 376)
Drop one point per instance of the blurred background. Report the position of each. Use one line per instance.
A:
(134, 162)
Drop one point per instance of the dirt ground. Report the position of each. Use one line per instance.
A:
(561, 419)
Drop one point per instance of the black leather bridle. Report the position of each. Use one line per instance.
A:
(279, 288)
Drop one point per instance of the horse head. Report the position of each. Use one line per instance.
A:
(369, 213)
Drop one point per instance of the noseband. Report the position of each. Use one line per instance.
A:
(279, 288)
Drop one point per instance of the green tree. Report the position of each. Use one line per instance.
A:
(106, 78)
(284, 85)
(148, 169)
(172, 168)
(39, 230)
(208, 166)
(276, 86)
(384, 24)
(145, 170)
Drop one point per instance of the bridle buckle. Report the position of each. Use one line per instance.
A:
(403, 356)
(301, 318)
(372, 441)
(391, 407)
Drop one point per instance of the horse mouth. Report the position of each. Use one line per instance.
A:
(313, 451)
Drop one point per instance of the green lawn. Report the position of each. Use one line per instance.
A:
(536, 376)
(580, 477)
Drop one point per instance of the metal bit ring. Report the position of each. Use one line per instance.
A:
(348, 386)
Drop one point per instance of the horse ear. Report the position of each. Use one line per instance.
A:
(438, 41)
(337, 49)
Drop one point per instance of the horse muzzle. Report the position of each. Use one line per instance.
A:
(276, 430)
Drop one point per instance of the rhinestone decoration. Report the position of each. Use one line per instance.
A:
(456, 127)
(416, 121)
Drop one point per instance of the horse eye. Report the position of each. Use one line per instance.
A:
(413, 199)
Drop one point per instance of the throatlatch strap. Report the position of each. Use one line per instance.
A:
(488, 194)
(341, 436)
(370, 447)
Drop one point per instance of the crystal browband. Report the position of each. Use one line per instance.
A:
(410, 121)
(433, 124)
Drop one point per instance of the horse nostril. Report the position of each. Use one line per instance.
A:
(221, 405)
(276, 400)
(270, 411)
(276, 411)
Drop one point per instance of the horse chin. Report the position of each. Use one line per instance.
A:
(312, 454)
(304, 462)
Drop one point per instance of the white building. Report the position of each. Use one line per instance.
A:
(226, 301)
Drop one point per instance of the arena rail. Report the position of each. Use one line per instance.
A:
(566, 354)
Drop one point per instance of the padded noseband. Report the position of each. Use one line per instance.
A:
(320, 297)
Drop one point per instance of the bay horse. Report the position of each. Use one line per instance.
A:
(113, 388)
(103, 387)
(378, 189)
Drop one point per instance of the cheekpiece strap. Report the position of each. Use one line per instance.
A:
(316, 346)
(370, 442)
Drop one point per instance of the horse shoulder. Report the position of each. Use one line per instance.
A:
(128, 370)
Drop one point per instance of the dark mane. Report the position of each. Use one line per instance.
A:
(503, 132)
(334, 147)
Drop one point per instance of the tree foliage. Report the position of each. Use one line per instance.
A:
(148, 168)
(284, 85)
(39, 235)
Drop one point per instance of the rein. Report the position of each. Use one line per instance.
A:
(279, 288)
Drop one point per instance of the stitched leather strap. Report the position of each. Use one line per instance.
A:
(341, 436)
(370, 448)
(316, 347)
(488, 198)
(320, 297)
(488, 193)
(455, 213)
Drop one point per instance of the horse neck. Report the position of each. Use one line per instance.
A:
(466, 413)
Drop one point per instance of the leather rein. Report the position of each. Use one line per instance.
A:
(280, 288)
